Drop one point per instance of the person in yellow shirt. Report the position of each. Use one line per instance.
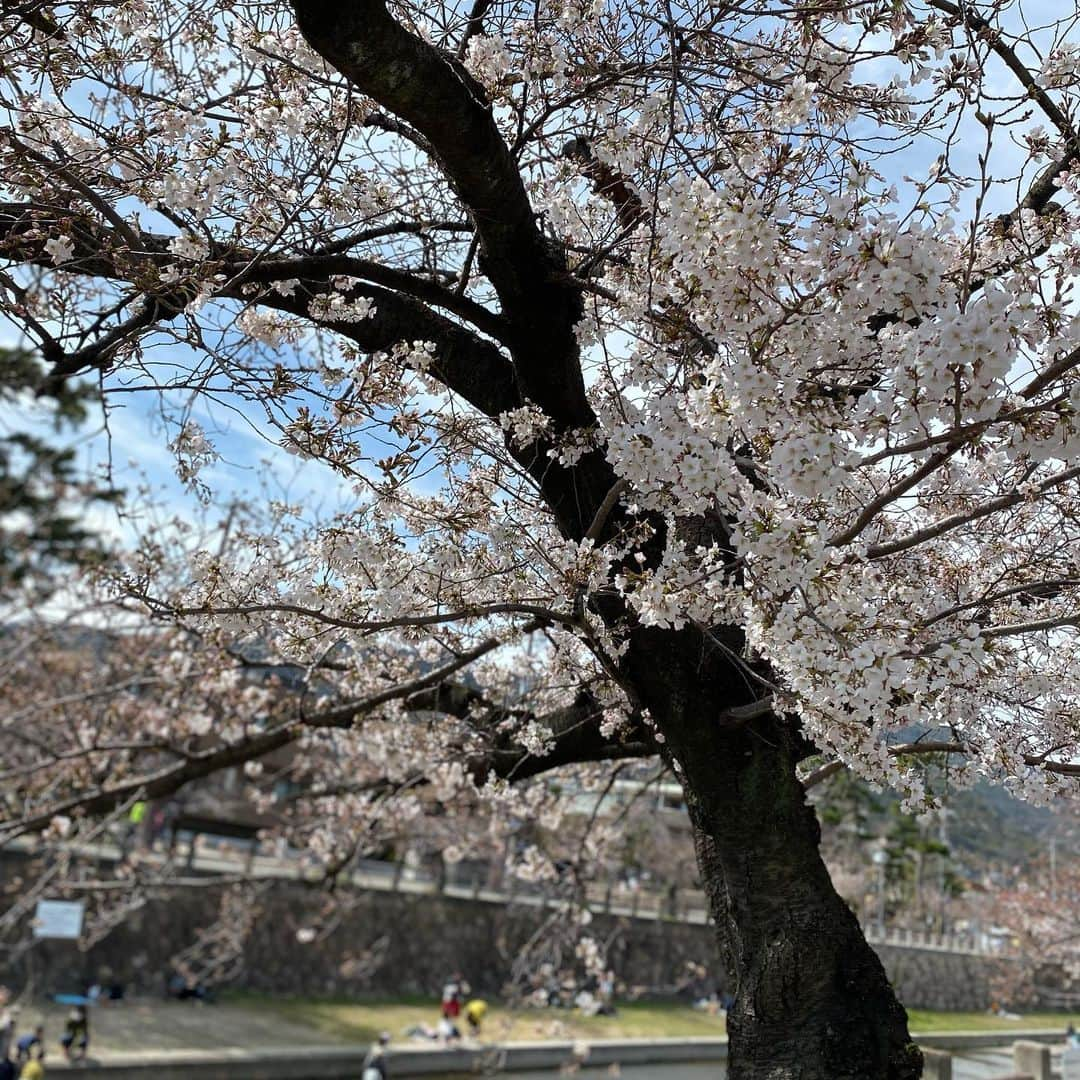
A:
(33, 1070)
(475, 1012)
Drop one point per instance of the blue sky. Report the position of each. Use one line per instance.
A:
(133, 447)
(136, 438)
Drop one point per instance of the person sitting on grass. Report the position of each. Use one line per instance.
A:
(447, 1031)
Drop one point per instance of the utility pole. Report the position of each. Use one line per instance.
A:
(1053, 869)
(881, 860)
(944, 857)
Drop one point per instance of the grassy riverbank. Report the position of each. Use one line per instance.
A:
(349, 1021)
(258, 1022)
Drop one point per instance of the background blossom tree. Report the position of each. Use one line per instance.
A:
(725, 352)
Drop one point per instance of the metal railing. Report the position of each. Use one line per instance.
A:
(207, 854)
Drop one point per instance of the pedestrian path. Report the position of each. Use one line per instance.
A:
(123, 1033)
(983, 1064)
(136, 1026)
(992, 1063)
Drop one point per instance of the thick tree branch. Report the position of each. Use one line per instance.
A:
(968, 17)
(575, 733)
(467, 364)
(967, 517)
(433, 92)
(608, 183)
(927, 746)
(158, 784)
(1025, 593)
(165, 781)
(324, 267)
(345, 715)
(474, 25)
(481, 611)
(575, 738)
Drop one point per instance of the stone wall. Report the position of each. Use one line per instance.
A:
(931, 979)
(385, 943)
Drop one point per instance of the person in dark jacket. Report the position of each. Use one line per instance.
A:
(76, 1037)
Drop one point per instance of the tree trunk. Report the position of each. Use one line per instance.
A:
(811, 998)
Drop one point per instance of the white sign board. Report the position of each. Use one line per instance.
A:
(1070, 1064)
(58, 919)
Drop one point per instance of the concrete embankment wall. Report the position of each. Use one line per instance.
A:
(391, 943)
(346, 1063)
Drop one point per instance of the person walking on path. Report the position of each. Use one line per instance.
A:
(8, 1015)
(76, 1037)
(375, 1061)
(453, 995)
(30, 1046)
(133, 834)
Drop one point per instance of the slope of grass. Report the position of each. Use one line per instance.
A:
(361, 1021)
(925, 1021)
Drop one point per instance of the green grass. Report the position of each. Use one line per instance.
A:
(361, 1021)
(352, 1021)
(923, 1021)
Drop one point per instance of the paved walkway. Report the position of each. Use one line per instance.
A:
(990, 1063)
(981, 1065)
(121, 1032)
(130, 1027)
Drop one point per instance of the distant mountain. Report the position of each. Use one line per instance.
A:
(988, 824)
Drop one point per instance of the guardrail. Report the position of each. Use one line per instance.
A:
(204, 856)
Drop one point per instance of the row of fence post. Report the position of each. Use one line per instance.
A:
(1031, 1061)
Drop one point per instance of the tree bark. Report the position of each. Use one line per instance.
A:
(812, 1001)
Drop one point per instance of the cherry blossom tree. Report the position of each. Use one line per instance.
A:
(708, 372)
(1032, 915)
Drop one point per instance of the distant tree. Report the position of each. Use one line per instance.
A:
(43, 493)
(1035, 915)
(918, 864)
